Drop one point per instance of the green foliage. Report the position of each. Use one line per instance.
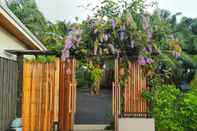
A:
(88, 75)
(44, 59)
(51, 35)
(83, 77)
(193, 83)
(27, 11)
(96, 73)
(188, 110)
(164, 111)
(172, 110)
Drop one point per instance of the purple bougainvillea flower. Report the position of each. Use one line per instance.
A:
(113, 24)
(74, 37)
(68, 43)
(65, 54)
(141, 61)
(148, 60)
(148, 49)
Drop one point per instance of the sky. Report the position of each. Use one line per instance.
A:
(69, 9)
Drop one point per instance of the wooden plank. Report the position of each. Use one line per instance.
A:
(43, 95)
(9, 93)
(20, 84)
(15, 82)
(26, 95)
(67, 94)
(133, 99)
(56, 104)
(7, 109)
(33, 97)
(4, 92)
(1, 93)
(40, 98)
(39, 95)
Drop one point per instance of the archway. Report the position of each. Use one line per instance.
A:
(68, 95)
(127, 101)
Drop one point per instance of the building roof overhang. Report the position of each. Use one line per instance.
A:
(13, 25)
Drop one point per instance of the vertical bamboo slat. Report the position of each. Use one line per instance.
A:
(116, 95)
(39, 89)
(136, 84)
(67, 96)
(56, 104)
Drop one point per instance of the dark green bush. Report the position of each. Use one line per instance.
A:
(173, 110)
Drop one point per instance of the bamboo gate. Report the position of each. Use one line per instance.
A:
(129, 102)
(49, 95)
(40, 95)
(135, 104)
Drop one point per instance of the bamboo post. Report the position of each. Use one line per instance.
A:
(56, 97)
(20, 85)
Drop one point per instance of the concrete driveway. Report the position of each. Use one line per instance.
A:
(93, 109)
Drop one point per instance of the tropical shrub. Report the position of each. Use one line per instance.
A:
(188, 111)
(172, 109)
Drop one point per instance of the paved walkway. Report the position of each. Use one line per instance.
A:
(93, 109)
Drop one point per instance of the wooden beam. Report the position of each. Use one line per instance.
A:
(32, 52)
(20, 84)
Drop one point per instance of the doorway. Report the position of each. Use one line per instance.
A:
(94, 107)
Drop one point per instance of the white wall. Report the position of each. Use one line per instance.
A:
(8, 41)
(136, 124)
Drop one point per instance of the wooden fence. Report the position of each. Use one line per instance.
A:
(49, 95)
(40, 95)
(134, 103)
(8, 92)
(116, 95)
(67, 95)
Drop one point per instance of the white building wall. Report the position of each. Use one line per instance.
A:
(8, 41)
(136, 124)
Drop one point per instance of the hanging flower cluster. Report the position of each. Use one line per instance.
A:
(120, 36)
(117, 36)
(73, 39)
(147, 28)
(144, 60)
